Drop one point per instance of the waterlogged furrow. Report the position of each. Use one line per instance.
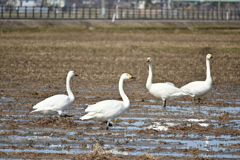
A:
(146, 128)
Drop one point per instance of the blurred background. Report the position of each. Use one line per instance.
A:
(137, 4)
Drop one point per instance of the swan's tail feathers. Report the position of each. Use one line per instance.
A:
(179, 95)
(35, 107)
(186, 93)
(184, 89)
(33, 111)
(88, 116)
(90, 108)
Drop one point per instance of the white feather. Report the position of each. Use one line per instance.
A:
(107, 110)
(200, 88)
(165, 91)
(56, 103)
(53, 104)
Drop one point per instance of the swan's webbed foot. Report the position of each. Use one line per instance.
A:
(65, 115)
(199, 100)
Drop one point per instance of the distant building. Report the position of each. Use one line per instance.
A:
(141, 5)
(13, 3)
(54, 3)
(28, 3)
(34, 3)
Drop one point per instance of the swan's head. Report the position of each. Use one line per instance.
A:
(71, 74)
(127, 76)
(209, 56)
(149, 60)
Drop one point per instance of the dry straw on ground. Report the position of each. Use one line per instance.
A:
(34, 62)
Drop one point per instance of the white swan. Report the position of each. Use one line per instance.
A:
(165, 91)
(200, 88)
(57, 103)
(107, 110)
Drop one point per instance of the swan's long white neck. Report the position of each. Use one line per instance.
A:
(123, 95)
(149, 79)
(70, 94)
(208, 78)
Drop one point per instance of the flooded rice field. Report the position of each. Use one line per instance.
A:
(29, 74)
(181, 130)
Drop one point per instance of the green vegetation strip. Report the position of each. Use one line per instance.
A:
(155, 29)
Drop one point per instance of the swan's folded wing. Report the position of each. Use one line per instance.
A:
(105, 110)
(193, 87)
(166, 91)
(170, 83)
(103, 106)
(54, 103)
(164, 88)
(90, 115)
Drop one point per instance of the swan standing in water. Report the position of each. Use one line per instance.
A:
(200, 88)
(165, 91)
(57, 103)
(107, 110)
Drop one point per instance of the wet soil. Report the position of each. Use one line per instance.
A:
(34, 65)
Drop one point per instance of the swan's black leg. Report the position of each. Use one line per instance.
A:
(199, 100)
(65, 115)
(164, 103)
(110, 124)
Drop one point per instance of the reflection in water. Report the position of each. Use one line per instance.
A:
(207, 143)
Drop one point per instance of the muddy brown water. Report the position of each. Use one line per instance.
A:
(35, 68)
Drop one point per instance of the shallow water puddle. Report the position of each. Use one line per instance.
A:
(145, 128)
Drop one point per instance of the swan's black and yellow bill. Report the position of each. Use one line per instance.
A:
(75, 74)
(149, 59)
(209, 56)
(131, 77)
